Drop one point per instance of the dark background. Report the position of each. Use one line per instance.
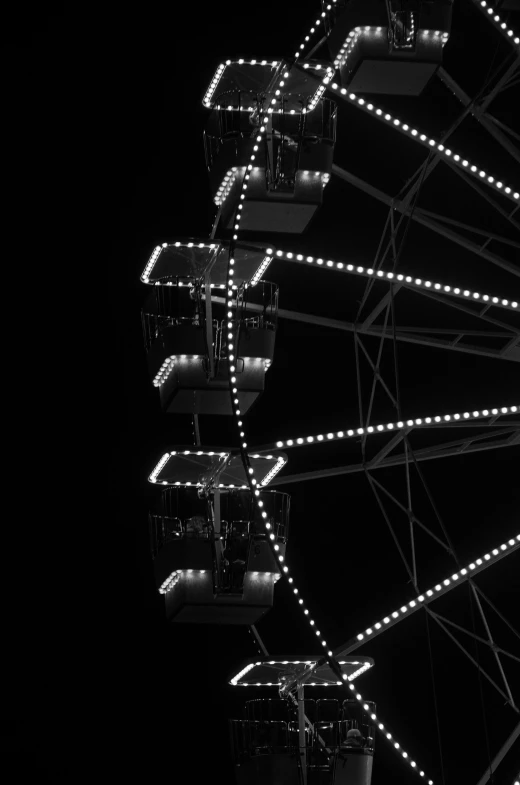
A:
(107, 150)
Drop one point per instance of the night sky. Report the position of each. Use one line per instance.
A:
(108, 104)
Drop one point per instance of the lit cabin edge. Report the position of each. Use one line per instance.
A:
(292, 152)
(186, 333)
(392, 49)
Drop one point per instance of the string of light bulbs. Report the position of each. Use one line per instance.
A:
(428, 421)
(386, 733)
(490, 13)
(407, 280)
(312, 32)
(427, 141)
(422, 599)
(440, 588)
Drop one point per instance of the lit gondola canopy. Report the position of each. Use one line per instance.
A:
(189, 466)
(272, 670)
(190, 259)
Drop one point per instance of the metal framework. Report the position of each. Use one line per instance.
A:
(404, 205)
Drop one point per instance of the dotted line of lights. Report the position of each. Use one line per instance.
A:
(368, 272)
(263, 267)
(351, 40)
(386, 733)
(329, 73)
(226, 185)
(164, 371)
(213, 85)
(243, 672)
(145, 275)
(442, 586)
(284, 570)
(274, 471)
(175, 577)
(153, 476)
(395, 426)
(220, 72)
(235, 681)
(312, 32)
(239, 108)
(280, 463)
(499, 23)
(170, 582)
(169, 364)
(228, 181)
(427, 141)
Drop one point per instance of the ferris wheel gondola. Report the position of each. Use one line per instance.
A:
(212, 558)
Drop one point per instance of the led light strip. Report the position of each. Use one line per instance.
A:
(235, 681)
(263, 267)
(354, 35)
(157, 470)
(440, 588)
(219, 73)
(213, 85)
(506, 31)
(385, 732)
(164, 371)
(170, 582)
(168, 366)
(420, 283)
(243, 672)
(284, 570)
(427, 141)
(394, 426)
(145, 275)
(274, 471)
(226, 185)
(311, 32)
(321, 89)
(312, 103)
(280, 462)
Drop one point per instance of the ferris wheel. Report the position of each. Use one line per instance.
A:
(219, 536)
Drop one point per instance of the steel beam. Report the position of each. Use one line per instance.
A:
(420, 217)
(499, 757)
(472, 659)
(355, 643)
(492, 646)
(447, 450)
(403, 128)
(513, 352)
(478, 114)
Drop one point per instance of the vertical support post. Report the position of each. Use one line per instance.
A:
(216, 510)
(301, 733)
(209, 322)
(500, 756)
(196, 430)
(219, 551)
